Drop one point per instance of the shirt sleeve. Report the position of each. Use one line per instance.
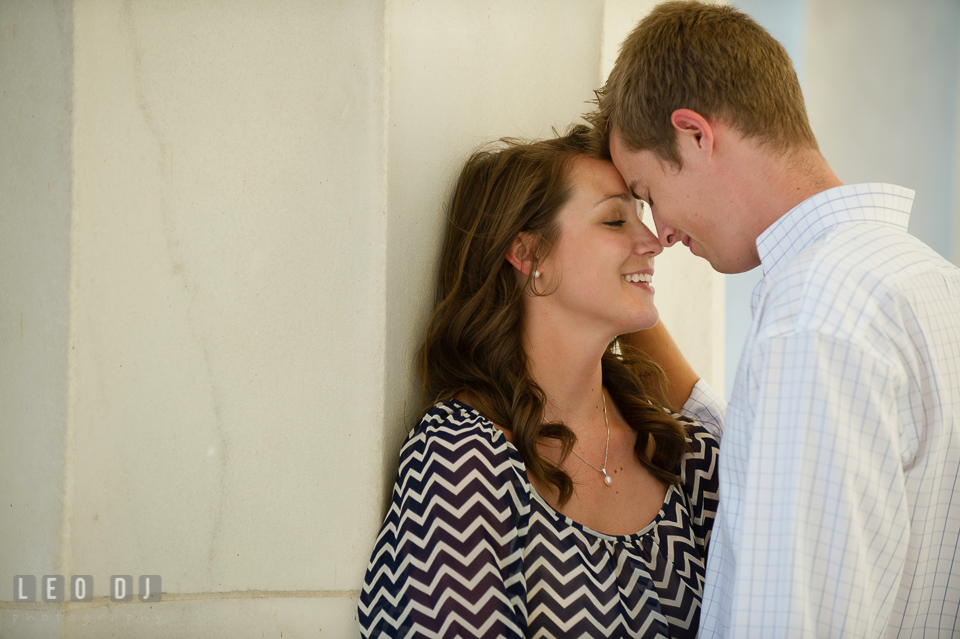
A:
(707, 407)
(814, 518)
(449, 558)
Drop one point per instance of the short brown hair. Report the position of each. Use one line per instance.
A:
(473, 340)
(711, 59)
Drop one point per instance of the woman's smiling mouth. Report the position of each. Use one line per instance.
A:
(638, 277)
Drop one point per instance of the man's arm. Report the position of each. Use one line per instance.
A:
(657, 344)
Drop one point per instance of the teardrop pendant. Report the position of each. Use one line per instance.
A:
(607, 479)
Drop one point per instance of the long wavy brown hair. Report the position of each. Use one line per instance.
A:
(473, 340)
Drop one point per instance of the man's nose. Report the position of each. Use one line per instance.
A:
(667, 235)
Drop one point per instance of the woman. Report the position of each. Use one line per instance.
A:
(496, 529)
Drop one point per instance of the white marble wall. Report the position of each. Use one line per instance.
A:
(226, 322)
(35, 177)
(226, 280)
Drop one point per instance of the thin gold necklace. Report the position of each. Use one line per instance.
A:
(607, 479)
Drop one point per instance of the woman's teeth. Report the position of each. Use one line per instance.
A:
(638, 277)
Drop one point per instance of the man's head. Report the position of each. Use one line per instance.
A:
(713, 60)
(701, 109)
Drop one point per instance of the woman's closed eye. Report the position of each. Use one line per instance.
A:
(615, 223)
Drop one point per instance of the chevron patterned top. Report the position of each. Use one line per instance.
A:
(470, 549)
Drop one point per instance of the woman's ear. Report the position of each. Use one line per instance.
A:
(520, 254)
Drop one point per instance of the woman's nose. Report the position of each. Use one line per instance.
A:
(648, 242)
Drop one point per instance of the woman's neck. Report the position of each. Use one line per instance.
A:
(567, 368)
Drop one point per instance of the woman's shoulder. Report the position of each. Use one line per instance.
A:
(454, 420)
(452, 429)
(698, 466)
(701, 439)
(456, 455)
(698, 473)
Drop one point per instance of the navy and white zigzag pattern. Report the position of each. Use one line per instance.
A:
(469, 549)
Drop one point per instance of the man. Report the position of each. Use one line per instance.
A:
(840, 455)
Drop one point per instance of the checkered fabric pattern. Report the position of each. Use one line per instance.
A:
(840, 456)
(707, 407)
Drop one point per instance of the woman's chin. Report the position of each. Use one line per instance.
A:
(641, 322)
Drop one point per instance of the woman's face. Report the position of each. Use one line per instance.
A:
(601, 265)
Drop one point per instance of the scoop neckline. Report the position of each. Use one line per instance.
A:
(646, 530)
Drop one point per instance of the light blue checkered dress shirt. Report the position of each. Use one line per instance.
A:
(840, 459)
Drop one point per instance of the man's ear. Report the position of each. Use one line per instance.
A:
(694, 132)
(520, 254)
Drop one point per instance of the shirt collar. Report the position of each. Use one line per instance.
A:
(801, 225)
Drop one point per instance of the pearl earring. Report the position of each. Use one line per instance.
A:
(536, 274)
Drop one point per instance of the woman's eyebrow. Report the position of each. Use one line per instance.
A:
(623, 196)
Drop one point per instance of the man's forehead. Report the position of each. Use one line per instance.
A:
(618, 156)
(615, 139)
(619, 150)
